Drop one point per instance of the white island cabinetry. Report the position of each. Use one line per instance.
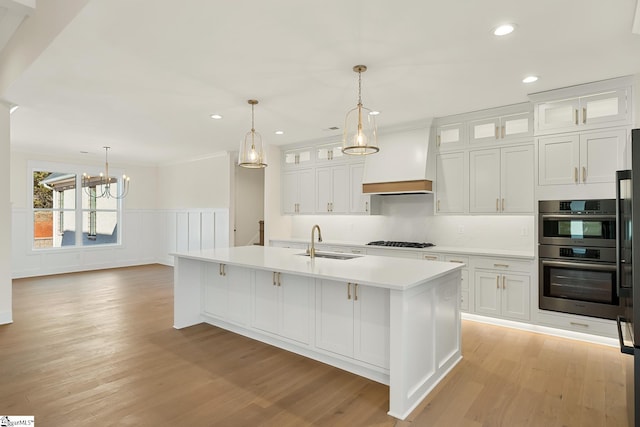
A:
(392, 320)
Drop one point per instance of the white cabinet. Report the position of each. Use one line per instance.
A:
(282, 305)
(450, 136)
(604, 109)
(501, 129)
(298, 157)
(332, 189)
(585, 158)
(329, 153)
(501, 180)
(502, 287)
(358, 202)
(504, 295)
(353, 321)
(451, 175)
(298, 191)
(226, 292)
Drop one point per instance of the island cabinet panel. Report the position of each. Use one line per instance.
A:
(282, 305)
(226, 292)
(353, 320)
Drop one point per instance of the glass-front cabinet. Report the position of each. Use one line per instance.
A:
(499, 129)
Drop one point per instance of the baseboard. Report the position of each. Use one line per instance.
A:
(562, 333)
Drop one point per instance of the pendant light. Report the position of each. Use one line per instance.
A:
(101, 186)
(359, 125)
(251, 149)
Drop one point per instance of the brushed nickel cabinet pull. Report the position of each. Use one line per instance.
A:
(504, 282)
(224, 273)
(497, 282)
(328, 210)
(579, 324)
(576, 116)
(348, 290)
(575, 175)
(438, 206)
(497, 132)
(438, 140)
(331, 206)
(355, 292)
(278, 279)
(274, 278)
(497, 205)
(584, 115)
(584, 174)
(220, 270)
(503, 205)
(503, 130)
(501, 265)
(366, 206)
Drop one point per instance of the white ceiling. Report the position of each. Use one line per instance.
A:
(143, 76)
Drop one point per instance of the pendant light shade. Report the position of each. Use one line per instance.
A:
(360, 134)
(252, 153)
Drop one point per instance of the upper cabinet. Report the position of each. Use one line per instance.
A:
(450, 136)
(585, 107)
(297, 157)
(501, 129)
(330, 153)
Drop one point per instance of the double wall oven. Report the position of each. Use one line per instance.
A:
(577, 256)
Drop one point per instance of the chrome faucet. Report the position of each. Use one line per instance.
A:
(312, 251)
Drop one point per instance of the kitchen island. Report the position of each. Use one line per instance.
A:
(395, 321)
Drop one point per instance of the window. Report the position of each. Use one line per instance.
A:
(64, 202)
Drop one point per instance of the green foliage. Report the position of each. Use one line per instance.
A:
(42, 196)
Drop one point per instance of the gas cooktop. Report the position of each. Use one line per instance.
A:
(401, 244)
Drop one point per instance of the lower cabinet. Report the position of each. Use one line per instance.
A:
(503, 294)
(353, 320)
(226, 292)
(282, 305)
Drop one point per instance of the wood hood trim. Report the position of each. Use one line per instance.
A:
(398, 187)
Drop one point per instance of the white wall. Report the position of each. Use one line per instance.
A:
(6, 314)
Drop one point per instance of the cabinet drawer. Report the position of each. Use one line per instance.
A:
(503, 264)
(462, 259)
(602, 327)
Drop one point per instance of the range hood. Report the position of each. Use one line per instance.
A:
(401, 166)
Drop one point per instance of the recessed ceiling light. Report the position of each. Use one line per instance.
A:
(13, 108)
(374, 113)
(503, 30)
(279, 132)
(216, 116)
(529, 79)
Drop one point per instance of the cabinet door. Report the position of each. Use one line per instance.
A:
(215, 291)
(484, 181)
(265, 302)
(558, 114)
(485, 130)
(371, 325)
(359, 202)
(516, 299)
(516, 125)
(289, 192)
(516, 179)
(450, 136)
(339, 189)
(450, 183)
(487, 293)
(604, 108)
(295, 306)
(329, 152)
(238, 286)
(324, 186)
(558, 159)
(297, 157)
(599, 153)
(306, 191)
(334, 317)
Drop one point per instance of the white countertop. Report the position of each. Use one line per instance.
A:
(379, 271)
(511, 253)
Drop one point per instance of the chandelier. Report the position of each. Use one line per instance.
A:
(251, 153)
(102, 185)
(359, 136)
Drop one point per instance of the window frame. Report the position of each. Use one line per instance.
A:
(78, 170)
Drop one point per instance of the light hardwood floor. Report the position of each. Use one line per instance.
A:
(98, 349)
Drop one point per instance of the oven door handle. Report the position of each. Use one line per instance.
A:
(578, 217)
(583, 265)
(626, 349)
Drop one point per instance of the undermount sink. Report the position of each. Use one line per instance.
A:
(332, 255)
